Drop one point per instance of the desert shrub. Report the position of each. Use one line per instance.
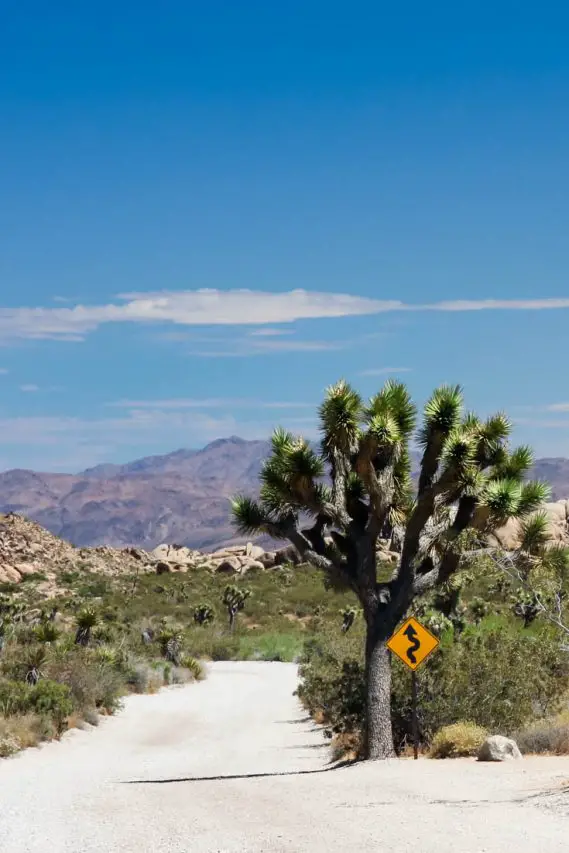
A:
(457, 740)
(93, 683)
(194, 666)
(53, 700)
(550, 736)
(13, 697)
(273, 646)
(490, 674)
(9, 745)
(46, 699)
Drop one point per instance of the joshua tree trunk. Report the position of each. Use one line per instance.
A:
(378, 736)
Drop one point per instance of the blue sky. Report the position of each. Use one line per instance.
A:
(211, 211)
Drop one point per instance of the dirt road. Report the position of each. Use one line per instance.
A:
(233, 765)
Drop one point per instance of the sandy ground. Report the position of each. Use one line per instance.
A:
(233, 764)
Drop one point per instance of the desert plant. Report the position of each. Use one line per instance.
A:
(46, 632)
(234, 598)
(86, 621)
(349, 615)
(33, 661)
(550, 736)
(203, 614)
(469, 483)
(458, 740)
(170, 641)
(194, 666)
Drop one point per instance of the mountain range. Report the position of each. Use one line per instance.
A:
(180, 497)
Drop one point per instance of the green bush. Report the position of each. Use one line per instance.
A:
(458, 740)
(491, 674)
(53, 700)
(46, 699)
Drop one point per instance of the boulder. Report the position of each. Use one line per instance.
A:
(289, 554)
(231, 565)
(8, 574)
(508, 535)
(499, 748)
(268, 559)
(174, 554)
(248, 565)
(254, 551)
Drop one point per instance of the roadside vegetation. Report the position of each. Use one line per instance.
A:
(70, 659)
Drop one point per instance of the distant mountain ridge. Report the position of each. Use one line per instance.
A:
(180, 497)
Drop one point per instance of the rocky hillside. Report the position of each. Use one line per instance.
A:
(28, 550)
(179, 497)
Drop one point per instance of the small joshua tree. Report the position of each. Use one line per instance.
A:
(349, 615)
(469, 484)
(203, 614)
(234, 598)
(86, 621)
(170, 640)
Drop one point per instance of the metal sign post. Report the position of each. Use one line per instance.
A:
(413, 644)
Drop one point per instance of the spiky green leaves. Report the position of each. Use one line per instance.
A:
(441, 413)
(393, 405)
(533, 495)
(248, 515)
(507, 497)
(340, 416)
(534, 533)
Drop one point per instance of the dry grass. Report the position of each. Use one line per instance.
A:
(546, 737)
(21, 732)
(458, 740)
(346, 747)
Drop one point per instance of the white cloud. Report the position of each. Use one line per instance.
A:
(384, 371)
(557, 407)
(207, 403)
(3, 371)
(268, 332)
(29, 387)
(544, 423)
(226, 308)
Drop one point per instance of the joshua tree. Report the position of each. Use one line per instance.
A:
(234, 598)
(86, 621)
(34, 660)
(348, 615)
(203, 614)
(170, 640)
(469, 483)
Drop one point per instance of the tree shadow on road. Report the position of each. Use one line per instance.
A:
(339, 765)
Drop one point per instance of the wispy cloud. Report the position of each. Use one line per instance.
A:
(3, 371)
(543, 423)
(227, 308)
(384, 371)
(557, 407)
(207, 403)
(29, 388)
(268, 332)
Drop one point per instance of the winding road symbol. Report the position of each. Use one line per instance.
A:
(415, 643)
(412, 643)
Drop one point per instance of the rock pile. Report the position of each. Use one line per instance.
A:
(234, 559)
(26, 548)
(508, 536)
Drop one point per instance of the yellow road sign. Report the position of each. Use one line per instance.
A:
(412, 643)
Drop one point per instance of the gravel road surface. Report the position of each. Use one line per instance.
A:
(233, 765)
